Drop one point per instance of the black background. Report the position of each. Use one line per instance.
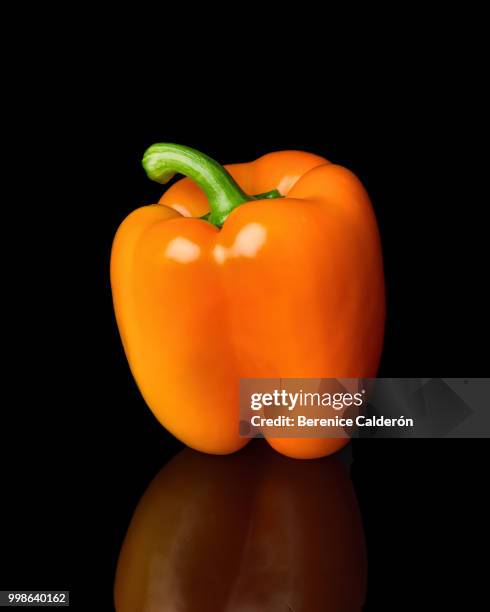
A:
(78, 444)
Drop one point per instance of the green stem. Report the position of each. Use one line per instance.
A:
(163, 160)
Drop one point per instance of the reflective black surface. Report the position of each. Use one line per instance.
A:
(251, 531)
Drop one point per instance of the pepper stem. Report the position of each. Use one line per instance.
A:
(162, 161)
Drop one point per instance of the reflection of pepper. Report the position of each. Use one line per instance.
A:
(254, 531)
(261, 286)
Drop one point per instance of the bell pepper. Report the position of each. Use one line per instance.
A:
(212, 284)
(254, 531)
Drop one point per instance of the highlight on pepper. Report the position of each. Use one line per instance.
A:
(266, 269)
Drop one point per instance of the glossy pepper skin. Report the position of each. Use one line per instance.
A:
(289, 287)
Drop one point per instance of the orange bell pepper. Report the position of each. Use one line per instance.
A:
(253, 531)
(211, 285)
